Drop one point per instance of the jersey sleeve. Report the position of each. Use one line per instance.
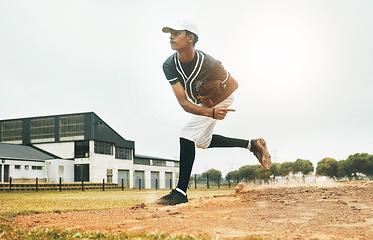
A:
(219, 73)
(170, 72)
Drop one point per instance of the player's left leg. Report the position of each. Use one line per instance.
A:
(218, 141)
(256, 146)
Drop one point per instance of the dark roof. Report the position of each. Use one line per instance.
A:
(21, 152)
(94, 129)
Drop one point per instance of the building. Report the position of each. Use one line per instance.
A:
(76, 147)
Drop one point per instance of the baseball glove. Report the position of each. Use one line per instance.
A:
(210, 91)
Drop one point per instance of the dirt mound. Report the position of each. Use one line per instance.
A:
(339, 211)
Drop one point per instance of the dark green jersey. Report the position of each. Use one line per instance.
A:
(192, 74)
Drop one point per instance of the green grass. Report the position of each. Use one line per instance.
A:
(16, 203)
(7, 232)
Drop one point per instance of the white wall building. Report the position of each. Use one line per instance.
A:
(77, 147)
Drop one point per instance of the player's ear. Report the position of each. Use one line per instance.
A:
(191, 37)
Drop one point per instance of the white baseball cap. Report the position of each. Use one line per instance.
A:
(181, 25)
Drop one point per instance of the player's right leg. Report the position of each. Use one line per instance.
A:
(173, 198)
(187, 156)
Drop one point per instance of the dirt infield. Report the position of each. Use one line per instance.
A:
(333, 211)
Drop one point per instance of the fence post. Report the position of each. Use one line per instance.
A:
(170, 183)
(103, 184)
(60, 184)
(156, 184)
(122, 184)
(37, 182)
(229, 181)
(195, 181)
(207, 176)
(218, 182)
(10, 183)
(82, 185)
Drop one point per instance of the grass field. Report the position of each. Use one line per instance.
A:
(15, 203)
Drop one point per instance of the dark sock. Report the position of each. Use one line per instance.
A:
(220, 141)
(187, 155)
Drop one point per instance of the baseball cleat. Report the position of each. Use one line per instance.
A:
(259, 148)
(173, 198)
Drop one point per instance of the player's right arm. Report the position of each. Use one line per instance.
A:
(190, 107)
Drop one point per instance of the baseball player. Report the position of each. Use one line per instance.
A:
(203, 88)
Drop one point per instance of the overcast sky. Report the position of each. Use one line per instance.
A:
(305, 71)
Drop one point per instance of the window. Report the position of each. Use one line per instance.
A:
(42, 128)
(81, 149)
(72, 126)
(36, 167)
(11, 131)
(103, 148)
(109, 174)
(159, 163)
(27, 167)
(17, 167)
(141, 161)
(123, 153)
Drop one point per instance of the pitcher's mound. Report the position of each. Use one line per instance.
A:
(339, 211)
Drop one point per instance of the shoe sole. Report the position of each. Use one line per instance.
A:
(266, 158)
(169, 203)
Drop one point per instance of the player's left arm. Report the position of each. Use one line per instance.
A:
(230, 86)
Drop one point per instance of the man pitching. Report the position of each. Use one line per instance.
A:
(203, 88)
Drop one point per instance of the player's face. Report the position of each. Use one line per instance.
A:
(179, 40)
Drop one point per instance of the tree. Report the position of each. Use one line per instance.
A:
(369, 168)
(246, 172)
(260, 173)
(214, 175)
(342, 170)
(354, 164)
(358, 163)
(286, 168)
(327, 167)
(233, 176)
(275, 170)
(303, 166)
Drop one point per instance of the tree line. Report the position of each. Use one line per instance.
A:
(354, 167)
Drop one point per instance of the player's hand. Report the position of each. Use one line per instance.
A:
(221, 112)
